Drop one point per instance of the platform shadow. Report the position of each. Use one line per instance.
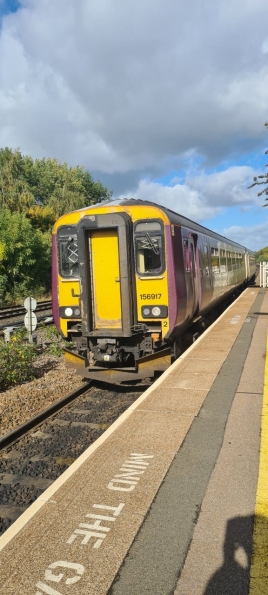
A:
(232, 578)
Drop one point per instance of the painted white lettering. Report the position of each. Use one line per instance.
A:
(46, 589)
(130, 474)
(125, 481)
(132, 467)
(96, 526)
(116, 488)
(135, 464)
(116, 509)
(101, 517)
(88, 535)
(139, 458)
(56, 578)
(129, 466)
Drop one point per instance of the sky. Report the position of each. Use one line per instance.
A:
(162, 100)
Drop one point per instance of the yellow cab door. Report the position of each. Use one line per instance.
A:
(106, 274)
(107, 307)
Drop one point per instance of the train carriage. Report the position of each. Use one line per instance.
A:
(129, 277)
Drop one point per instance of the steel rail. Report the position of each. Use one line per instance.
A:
(20, 431)
(16, 311)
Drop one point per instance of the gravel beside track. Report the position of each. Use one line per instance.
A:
(20, 403)
(33, 462)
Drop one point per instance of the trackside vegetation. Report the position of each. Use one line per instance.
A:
(18, 356)
(33, 195)
(262, 255)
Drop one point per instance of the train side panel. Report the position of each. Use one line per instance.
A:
(130, 277)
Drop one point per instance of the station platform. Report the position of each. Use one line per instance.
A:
(173, 497)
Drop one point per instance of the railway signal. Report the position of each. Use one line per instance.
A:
(30, 319)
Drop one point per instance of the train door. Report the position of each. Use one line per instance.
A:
(107, 300)
(194, 273)
(106, 274)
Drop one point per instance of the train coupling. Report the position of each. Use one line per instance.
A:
(146, 367)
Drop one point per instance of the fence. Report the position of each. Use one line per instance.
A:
(263, 274)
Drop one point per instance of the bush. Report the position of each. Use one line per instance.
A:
(55, 343)
(16, 361)
(25, 257)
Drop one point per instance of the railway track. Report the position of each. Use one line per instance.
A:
(34, 455)
(14, 311)
(13, 315)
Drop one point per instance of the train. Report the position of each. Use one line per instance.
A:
(129, 277)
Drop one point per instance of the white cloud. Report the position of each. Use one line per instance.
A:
(203, 196)
(134, 86)
(254, 237)
(264, 46)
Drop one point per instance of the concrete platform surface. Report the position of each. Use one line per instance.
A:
(164, 501)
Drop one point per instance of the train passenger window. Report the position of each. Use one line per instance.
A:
(215, 260)
(233, 261)
(149, 251)
(229, 261)
(206, 261)
(223, 267)
(186, 255)
(68, 252)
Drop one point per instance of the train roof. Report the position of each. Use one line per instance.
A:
(174, 217)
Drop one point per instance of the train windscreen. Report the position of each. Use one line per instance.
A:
(149, 248)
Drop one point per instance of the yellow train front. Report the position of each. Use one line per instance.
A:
(129, 277)
(110, 290)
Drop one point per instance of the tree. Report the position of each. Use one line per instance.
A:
(262, 255)
(263, 178)
(33, 194)
(28, 186)
(15, 192)
(24, 257)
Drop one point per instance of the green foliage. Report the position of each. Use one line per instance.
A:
(15, 192)
(262, 255)
(16, 361)
(55, 342)
(24, 258)
(262, 180)
(54, 187)
(33, 194)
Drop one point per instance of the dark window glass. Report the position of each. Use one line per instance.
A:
(68, 253)
(149, 248)
(186, 255)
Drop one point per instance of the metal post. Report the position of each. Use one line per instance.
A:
(30, 322)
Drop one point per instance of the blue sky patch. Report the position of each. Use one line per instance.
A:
(7, 6)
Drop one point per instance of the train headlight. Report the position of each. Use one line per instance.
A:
(154, 311)
(70, 312)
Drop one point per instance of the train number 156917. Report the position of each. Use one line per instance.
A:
(150, 296)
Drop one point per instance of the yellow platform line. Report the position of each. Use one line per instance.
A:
(259, 562)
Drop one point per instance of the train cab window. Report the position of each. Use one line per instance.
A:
(149, 243)
(68, 252)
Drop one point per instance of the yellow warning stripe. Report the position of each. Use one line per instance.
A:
(259, 562)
